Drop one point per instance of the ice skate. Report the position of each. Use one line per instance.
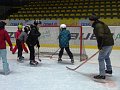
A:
(33, 63)
(99, 77)
(72, 60)
(108, 73)
(59, 60)
(20, 59)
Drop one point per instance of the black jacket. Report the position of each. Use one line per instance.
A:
(103, 34)
(33, 36)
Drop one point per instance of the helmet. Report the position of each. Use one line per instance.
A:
(62, 26)
(26, 28)
(20, 26)
(20, 23)
(36, 22)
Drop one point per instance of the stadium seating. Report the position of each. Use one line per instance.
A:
(59, 9)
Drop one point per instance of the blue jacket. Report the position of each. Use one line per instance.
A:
(64, 38)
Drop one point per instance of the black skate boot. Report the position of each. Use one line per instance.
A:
(72, 60)
(59, 59)
(20, 59)
(108, 72)
(34, 63)
(99, 77)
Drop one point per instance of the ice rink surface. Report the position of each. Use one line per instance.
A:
(51, 75)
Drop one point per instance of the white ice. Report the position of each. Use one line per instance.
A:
(51, 75)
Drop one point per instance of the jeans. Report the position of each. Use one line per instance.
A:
(104, 59)
(3, 55)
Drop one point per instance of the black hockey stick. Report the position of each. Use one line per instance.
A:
(50, 56)
(54, 53)
(82, 62)
(38, 55)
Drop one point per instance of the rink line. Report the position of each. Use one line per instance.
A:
(71, 46)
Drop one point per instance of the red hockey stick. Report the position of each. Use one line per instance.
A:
(82, 62)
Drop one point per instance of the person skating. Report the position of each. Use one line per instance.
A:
(105, 43)
(23, 46)
(32, 40)
(20, 40)
(17, 33)
(3, 52)
(64, 38)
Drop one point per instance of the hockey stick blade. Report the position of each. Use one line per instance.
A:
(54, 53)
(70, 68)
(82, 62)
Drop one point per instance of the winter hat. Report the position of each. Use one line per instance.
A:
(2, 24)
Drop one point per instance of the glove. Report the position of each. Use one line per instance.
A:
(11, 48)
(38, 45)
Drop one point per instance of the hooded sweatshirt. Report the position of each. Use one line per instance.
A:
(3, 38)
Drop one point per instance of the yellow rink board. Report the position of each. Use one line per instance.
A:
(72, 46)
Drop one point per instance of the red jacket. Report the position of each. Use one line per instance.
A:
(17, 34)
(3, 38)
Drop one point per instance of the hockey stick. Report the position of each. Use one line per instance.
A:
(54, 53)
(82, 62)
(50, 56)
(38, 55)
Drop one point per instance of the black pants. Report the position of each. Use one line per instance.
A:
(20, 49)
(32, 52)
(68, 52)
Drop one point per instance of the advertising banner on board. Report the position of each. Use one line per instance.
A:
(25, 22)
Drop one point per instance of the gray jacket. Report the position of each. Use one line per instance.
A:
(23, 36)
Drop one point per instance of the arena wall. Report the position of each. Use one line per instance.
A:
(89, 37)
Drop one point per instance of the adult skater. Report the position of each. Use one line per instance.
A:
(17, 33)
(20, 40)
(32, 40)
(64, 38)
(3, 52)
(105, 43)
